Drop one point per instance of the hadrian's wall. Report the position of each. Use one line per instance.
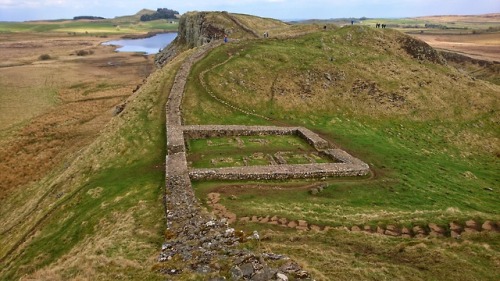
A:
(210, 131)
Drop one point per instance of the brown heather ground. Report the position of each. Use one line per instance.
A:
(52, 108)
(484, 46)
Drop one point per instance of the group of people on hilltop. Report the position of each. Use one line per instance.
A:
(266, 34)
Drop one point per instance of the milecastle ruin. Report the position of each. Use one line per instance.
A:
(198, 237)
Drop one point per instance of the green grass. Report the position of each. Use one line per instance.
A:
(196, 98)
(254, 150)
(434, 156)
(121, 190)
(422, 153)
(339, 255)
(80, 217)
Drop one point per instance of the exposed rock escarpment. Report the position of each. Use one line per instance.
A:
(420, 50)
(199, 28)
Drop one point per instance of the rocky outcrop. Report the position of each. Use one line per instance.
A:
(193, 31)
(199, 28)
(420, 50)
(459, 58)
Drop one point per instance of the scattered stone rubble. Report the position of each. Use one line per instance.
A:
(454, 229)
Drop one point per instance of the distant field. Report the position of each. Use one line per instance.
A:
(442, 24)
(93, 27)
(51, 107)
(40, 91)
(485, 46)
(474, 36)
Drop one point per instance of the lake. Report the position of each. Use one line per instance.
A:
(148, 46)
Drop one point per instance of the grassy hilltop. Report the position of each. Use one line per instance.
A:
(428, 131)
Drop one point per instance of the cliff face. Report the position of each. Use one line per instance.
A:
(194, 30)
(198, 28)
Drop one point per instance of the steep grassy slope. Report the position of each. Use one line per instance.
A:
(100, 216)
(428, 132)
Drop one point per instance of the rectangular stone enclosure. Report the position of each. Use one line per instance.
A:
(346, 165)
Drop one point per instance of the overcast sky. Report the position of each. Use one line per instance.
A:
(20, 10)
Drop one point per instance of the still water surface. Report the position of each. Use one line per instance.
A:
(148, 46)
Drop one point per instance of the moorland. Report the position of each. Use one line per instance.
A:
(82, 184)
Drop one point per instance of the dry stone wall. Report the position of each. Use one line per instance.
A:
(212, 131)
(280, 172)
(349, 165)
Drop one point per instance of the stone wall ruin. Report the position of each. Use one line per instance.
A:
(197, 238)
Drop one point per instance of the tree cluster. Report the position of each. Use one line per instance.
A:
(440, 26)
(87, 18)
(161, 13)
